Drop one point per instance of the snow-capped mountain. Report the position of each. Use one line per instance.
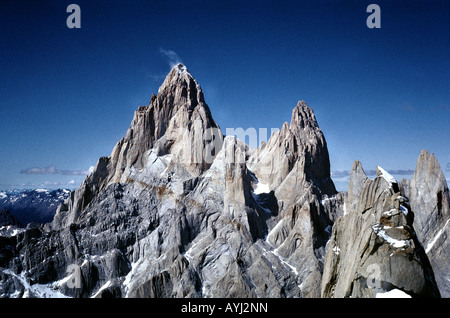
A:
(37, 205)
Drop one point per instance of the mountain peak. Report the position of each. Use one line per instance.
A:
(303, 116)
(180, 68)
(178, 109)
(358, 179)
(178, 76)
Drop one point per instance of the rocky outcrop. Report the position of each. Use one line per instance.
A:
(373, 249)
(358, 180)
(430, 200)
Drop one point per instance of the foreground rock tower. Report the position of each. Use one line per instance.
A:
(430, 199)
(374, 249)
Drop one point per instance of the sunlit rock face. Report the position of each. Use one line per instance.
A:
(374, 249)
(430, 200)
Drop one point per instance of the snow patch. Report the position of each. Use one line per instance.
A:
(261, 188)
(37, 290)
(435, 238)
(188, 254)
(275, 229)
(345, 208)
(10, 230)
(325, 200)
(292, 268)
(394, 293)
(404, 209)
(391, 212)
(387, 176)
(181, 69)
(336, 250)
(104, 286)
(379, 230)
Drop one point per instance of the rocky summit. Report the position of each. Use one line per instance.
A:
(180, 210)
(430, 199)
(374, 248)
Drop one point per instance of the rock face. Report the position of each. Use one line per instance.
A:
(358, 180)
(373, 249)
(177, 210)
(298, 147)
(294, 164)
(430, 199)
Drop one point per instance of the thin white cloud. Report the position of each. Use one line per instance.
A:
(172, 57)
(44, 185)
(346, 173)
(53, 170)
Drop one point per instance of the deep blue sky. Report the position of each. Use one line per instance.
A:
(68, 95)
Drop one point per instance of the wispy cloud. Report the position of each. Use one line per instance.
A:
(370, 173)
(340, 174)
(171, 56)
(56, 184)
(45, 185)
(53, 170)
(408, 107)
(439, 107)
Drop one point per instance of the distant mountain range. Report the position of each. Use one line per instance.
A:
(37, 205)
